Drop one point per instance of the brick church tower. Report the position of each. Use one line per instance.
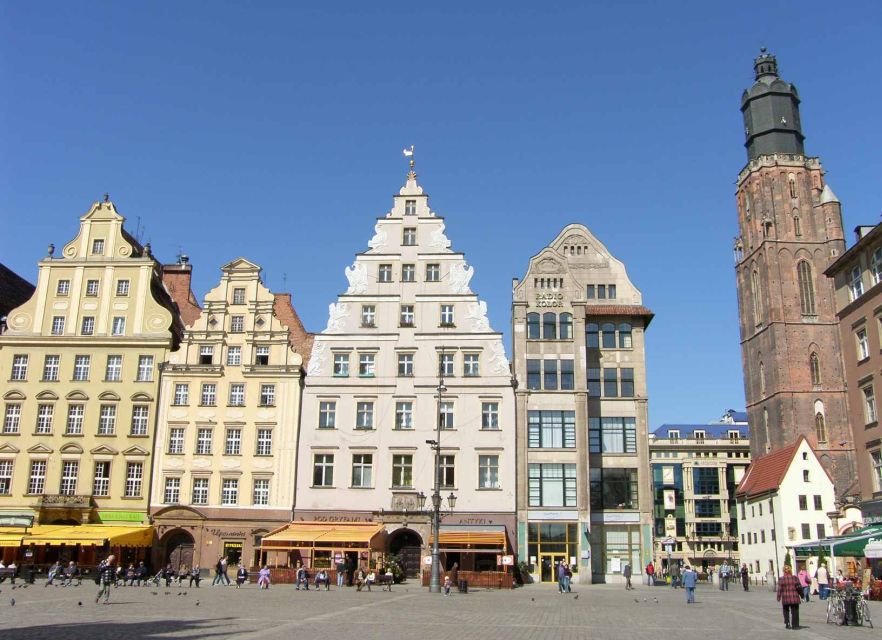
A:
(790, 226)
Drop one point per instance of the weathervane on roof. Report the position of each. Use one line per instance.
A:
(408, 153)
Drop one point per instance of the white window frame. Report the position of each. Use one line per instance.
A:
(118, 327)
(404, 415)
(134, 479)
(101, 479)
(172, 490)
(107, 420)
(51, 367)
(488, 471)
(233, 441)
(176, 437)
(260, 492)
(123, 286)
(364, 415)
(113, 368)
(140, 420)
(229, 491)
(82, 368)
(145, 369)
(264, 445)
(87, 326)
(237, 394)
(199, 490)
(204, 437)
(76, 416)
(234, 356)
(267, 395)
(490, 416)
(182, 394)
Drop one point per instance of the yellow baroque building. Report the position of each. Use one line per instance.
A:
(80, 371)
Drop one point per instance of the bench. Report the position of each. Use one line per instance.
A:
(7, 572)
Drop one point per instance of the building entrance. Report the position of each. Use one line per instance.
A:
(548, 563)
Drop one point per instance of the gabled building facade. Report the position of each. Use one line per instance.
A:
(226, 447)
(578, 329)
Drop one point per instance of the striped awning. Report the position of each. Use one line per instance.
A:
(97, 535)
(472, 537)
(320, 534)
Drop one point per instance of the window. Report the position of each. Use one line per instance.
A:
(408, 273)
(627, 389)
(260, 492)
(97, 247)
(233, 442)
(821, 530)
(615, 435)
(534, 374)
(863, 344)
(567, 379)
(199, 495)
(402, 471)
(5, 477)
(182, 394)
(362, 470)
(410, 207)
(757, 301)
(433, 273)
(364, 415)
(549, 374)
(172, 491)
(592, 335)
(230, 491)
(323, 470)
(87, 328)
(593, 378)
(405, 364)
(264, 442)
(445, 364)
(57, 325)
(368, 315)
(819, 503)
(12, 419)
(327, 415)
(209, 394)
(409, 236)
(19, 367)
(50, 368)
(674, 435)
(489, 415)
(610, 383)
(447, 315)
(91, 288)
(404, 415)
(206, 354)
(820, 427)
(803, 503)
(45, 413)
(488, 472)
(81, 368)
(113, 370)
(70, 470)
(176, 440)
(614, 489)
(140, 415)
(608, 335)
(601, 291)
(734, 436)
(815, 368)
(134, 477)
(261, 355)
(234, 356)
(122, 287)
(876, 461)
(62, 288)
(706, 481)
(384, 274)
(448, 471)
(145, 369)
(699, 435)
(566, 326)
(876, 266)
(267, 395)
(237, 324)
(707, 508)
(806, 531)
(118, 327)
(611, 291)
(856, 284)
(341, 364)
(203, 441)
(406, 317)
(107, 420)
(805, 475)
(445, 415)
(806, 288)
(625, 341)
(551, 429)
(366, 365)
(552, 485)
(239, 295)
(549, 326)
(37, 477)
(237, 394)
(869, 405)
(533, 326)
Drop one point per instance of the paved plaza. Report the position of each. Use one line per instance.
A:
(533, 612)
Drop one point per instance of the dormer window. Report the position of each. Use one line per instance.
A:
(239, 295)
(699, 435)
(261, 355)
(673, 435)
(97, 247)
(410, 207)
(206, 354)
(734, 436)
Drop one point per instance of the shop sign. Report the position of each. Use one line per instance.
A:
(427, 560)
(344, 518)
(507, 561)
(552, 515)
(549, 299)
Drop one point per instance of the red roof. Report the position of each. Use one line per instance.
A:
(619, 310)
(764, 475)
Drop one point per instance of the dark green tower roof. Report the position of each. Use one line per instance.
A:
(771, 112)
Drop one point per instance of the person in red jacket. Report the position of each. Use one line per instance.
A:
(650, 573)
(789, 594)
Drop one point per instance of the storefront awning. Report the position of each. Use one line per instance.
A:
(851, 545)
(90, 535)
(11, 537)
(320, 534)
(470, 536)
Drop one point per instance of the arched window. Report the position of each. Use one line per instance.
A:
(806, 288)
(625, 336)
(549, 326)
(797, 227)
(762, 377)
(609, 335)
(592, 335)
(815, 367)
(566, 326)
(820, 427)
(792, 186)
(532, 326)
(766, 429)
(757, 303)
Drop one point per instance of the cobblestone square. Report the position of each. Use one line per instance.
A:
(533, 612)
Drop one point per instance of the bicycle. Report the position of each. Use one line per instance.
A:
(835, 608)
(863, 612)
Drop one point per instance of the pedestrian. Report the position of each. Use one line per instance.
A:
(341, 572)
(805, 583)
(745, 579)
(241, 575)
(710, 576)
(725, 575)
(263, 578)
(224, 564)
(627, 573)
(195, 575)
(446, 585)
(561, 576)
(823, 577)
(788, 594)
(218, 572)
(675, 575)
(106, 578)
(690, 579)
(650, 573)
(454, 575)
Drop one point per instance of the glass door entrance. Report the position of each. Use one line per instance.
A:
(548, 563)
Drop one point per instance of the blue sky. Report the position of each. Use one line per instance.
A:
(274, 131)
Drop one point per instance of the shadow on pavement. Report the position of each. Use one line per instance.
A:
(206, 628)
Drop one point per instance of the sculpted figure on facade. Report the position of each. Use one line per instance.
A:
(337, 313)
(460, 275)
(379, 239)
(317, 359)
(358, 278)
(478, 315)
(499, 361)
(439, 238)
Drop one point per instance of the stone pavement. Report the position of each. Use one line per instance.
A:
(534, 612)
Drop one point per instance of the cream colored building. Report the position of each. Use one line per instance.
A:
(226, 448)
(80, 370)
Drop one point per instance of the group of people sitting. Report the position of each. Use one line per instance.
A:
(64, 575)
(361, 579)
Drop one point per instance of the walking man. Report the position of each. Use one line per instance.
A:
(341, 572)
(823, 577)
(788, 594)
(218, 572)
(690, 579)
(744, 577)
(650, 573)
(224, 564)
(106, 578)
(627, 573)
(675, 575)
(561, 577)
(724, 576)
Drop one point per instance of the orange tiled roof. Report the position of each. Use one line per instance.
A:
(619, 310)
(765, 473)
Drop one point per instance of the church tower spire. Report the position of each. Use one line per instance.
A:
(771, 112)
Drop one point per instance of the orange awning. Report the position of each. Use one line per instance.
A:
(470, 536)
(320, 534)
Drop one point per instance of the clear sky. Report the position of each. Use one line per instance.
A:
(274, 131)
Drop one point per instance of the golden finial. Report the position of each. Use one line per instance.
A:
(408, 153)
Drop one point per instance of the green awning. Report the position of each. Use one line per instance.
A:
(851, 545)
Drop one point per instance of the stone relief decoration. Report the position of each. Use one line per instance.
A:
(404, 502)
(439, 240)
(460, 275)
(477, 313)
(358, 277)
(548, 265)
(379, 239)
(201, 463)
(498, 359)
(337, 314)
(174, 463)
(317, 359)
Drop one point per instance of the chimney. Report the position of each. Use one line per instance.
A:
(176, 278)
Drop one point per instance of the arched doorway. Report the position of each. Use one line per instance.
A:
(408, 544)
(179, 547)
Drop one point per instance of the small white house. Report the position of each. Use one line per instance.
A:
(783, 500)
